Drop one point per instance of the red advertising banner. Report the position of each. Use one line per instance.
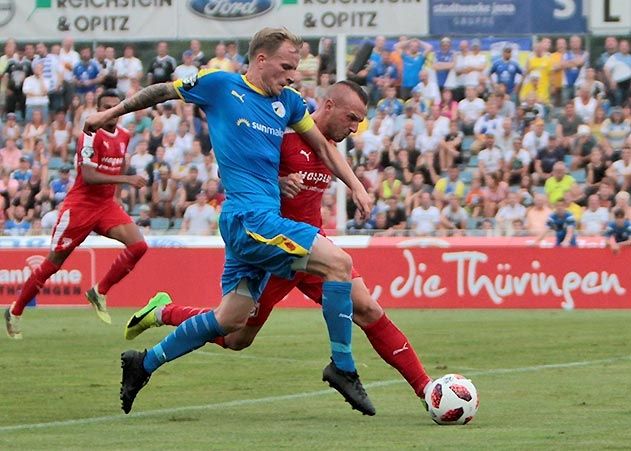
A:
(399, 276)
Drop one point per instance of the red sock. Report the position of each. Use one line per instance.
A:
(174, 315)
(122, 266)
(32, 286)
(395, 349)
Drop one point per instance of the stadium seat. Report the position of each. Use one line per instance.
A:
(177, 224)
(466, 176)
(538, 190)
(467, 141)
(473, 161)
(568, 160)
(55, 163)
(579, 175)
(160, 223)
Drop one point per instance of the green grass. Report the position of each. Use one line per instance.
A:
(67, 368)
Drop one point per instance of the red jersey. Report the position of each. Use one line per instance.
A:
(105, 152)
(297, 156)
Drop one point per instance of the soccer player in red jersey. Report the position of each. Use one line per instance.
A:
(304, 178)
(89, 206)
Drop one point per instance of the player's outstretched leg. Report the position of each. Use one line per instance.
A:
(147, 317)
(123, 265)
(134, 377)
(31, 287)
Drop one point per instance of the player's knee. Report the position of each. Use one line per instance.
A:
(340, 267)
(138, 249)
(366, 313)
(238, 343)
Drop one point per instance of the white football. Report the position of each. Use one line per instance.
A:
(452, 399)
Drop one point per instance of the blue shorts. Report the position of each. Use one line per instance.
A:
(259, 244)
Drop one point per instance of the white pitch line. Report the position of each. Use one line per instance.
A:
(269, 399)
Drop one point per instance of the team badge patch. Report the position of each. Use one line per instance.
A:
(279, 109)
(87, 152)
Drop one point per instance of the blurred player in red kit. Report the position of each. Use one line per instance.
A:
(90, 206)
(304, 178)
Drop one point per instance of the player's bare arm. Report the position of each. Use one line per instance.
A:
(93, 177)
(149, 96)
(339, 167)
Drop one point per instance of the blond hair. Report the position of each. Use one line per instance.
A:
(270, 39)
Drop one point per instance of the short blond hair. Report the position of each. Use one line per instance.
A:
(270, 39)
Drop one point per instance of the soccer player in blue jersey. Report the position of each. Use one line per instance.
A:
(506, 71)
(563, 224)
(247, 115)
(618, 231)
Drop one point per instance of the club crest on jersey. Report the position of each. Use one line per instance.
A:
(87, 152)
(189, 82)
(279, 108)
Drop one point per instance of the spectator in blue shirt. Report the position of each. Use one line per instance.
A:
(575, 61)
(60, 186)
(23, 173)
(444, 62)
(390, 104)
(563, 224)
(413, 54)
(505, 71)
(19, 225)
(86, 72)
(618, 231)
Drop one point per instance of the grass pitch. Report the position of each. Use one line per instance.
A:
(547, 380)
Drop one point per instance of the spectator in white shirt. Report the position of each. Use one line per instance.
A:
(489, 122)
(172, 153)
(141, 159)
(372, 138)
(428, 88)
(128, 68)
(621, 168)
(595, 218)
(453, 217)
(585, 105)
(409, 115)
(184, 139)
(490, 158)
(511, 211)
(473, 65)
(199, 218)
(170, 121)
(425, 218)
(470, 109)
(536, 139)
(429, 141)
(35, 88)
(187, 68)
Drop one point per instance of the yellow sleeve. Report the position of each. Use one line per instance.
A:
(304, 125)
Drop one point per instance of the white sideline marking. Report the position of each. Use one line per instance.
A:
(310, 394)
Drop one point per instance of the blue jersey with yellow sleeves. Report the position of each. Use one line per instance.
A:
(246, 129)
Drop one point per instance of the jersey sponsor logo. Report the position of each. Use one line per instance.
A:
(279, 108)
(305, 153)
(261, 127)
(238, 96)
(231, 9)
(189, 82)
(315, 177)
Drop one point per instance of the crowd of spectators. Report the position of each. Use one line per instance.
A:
(457, 142)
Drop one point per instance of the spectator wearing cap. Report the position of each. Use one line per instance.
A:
(615, 130)
(546, 159)
(428, 89)
(10, 156)
(87, 72)
(582, 147)
(536, 139)
(413, 54)
(559, 183)
(128, 69)
(61, 184)
(187, 68)
(506, 71)
(470, 109)
(163, 65)
(444, 64)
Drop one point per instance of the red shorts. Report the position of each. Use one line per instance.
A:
(277, 288)
(75, 223)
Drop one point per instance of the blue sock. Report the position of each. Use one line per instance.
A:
(193, 333)
(338, 314)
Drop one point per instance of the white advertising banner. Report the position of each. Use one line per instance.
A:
(609, 17)
(133, 20)
(241, 18)
(112, 20)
